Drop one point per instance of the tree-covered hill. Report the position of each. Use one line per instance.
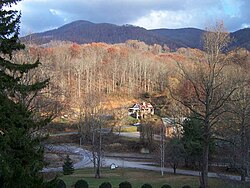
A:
(83, 32)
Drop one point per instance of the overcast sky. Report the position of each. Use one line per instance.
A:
(42, 15)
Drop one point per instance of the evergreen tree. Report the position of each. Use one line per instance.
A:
(192, 139)
(21, 154)
(68, 167)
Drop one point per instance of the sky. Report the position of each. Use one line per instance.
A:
(42, 15)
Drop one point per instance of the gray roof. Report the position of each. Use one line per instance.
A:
(169, 122)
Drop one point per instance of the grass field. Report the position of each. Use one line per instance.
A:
(138, 177)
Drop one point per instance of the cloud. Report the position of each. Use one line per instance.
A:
(54, 12)
(164, 19)
(40, 15)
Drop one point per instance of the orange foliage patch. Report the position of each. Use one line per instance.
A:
(99, 44)
(75, 50)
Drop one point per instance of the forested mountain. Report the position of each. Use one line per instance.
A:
(83, 32)
(186, 37)
(241, 38)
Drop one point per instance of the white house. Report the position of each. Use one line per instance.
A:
(140, 110)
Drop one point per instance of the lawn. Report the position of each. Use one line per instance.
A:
(138, 177)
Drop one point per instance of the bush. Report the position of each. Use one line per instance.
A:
(105, 185)
(125, 184)
(145, 95)
(166, 186)
(129, 120)
(186, 186)
(146, 185)
(60, 184)
(68, 167)
(81, 184)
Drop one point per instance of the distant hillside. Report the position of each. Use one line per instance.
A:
(241, 38)
(186, 37)
(86, 32)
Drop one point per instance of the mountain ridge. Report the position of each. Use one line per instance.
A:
(82, 31)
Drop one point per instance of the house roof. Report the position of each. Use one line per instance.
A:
(168, 122)
(136, 105)
(142, 106)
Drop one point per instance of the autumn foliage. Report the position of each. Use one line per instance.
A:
(127, 69)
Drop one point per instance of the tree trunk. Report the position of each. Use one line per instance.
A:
(243, 146)
(243, 174)
(174, 169)
(97, 174)
(79, 85)
(204, 168)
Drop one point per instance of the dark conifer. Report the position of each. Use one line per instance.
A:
(21, 155)
(68, 167)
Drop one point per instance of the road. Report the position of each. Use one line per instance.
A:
(63, 134)
(135, 135)
(86, 162)
(84, 156)
(129, 134)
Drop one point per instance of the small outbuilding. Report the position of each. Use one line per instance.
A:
(172, 126)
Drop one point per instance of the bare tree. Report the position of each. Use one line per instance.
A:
(174, 152)
(206, 91)
(162, 148)
(48, 101)
(239, 110)
(96, 122)
(91, 123)
(120, 118)
(148, 128)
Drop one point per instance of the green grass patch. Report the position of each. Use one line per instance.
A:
(126, 129)
(129, 129)
(129, 120)
(138, 177)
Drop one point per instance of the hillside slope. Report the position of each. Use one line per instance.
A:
(83, 32)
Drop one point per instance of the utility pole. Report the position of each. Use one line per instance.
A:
(162, 149)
